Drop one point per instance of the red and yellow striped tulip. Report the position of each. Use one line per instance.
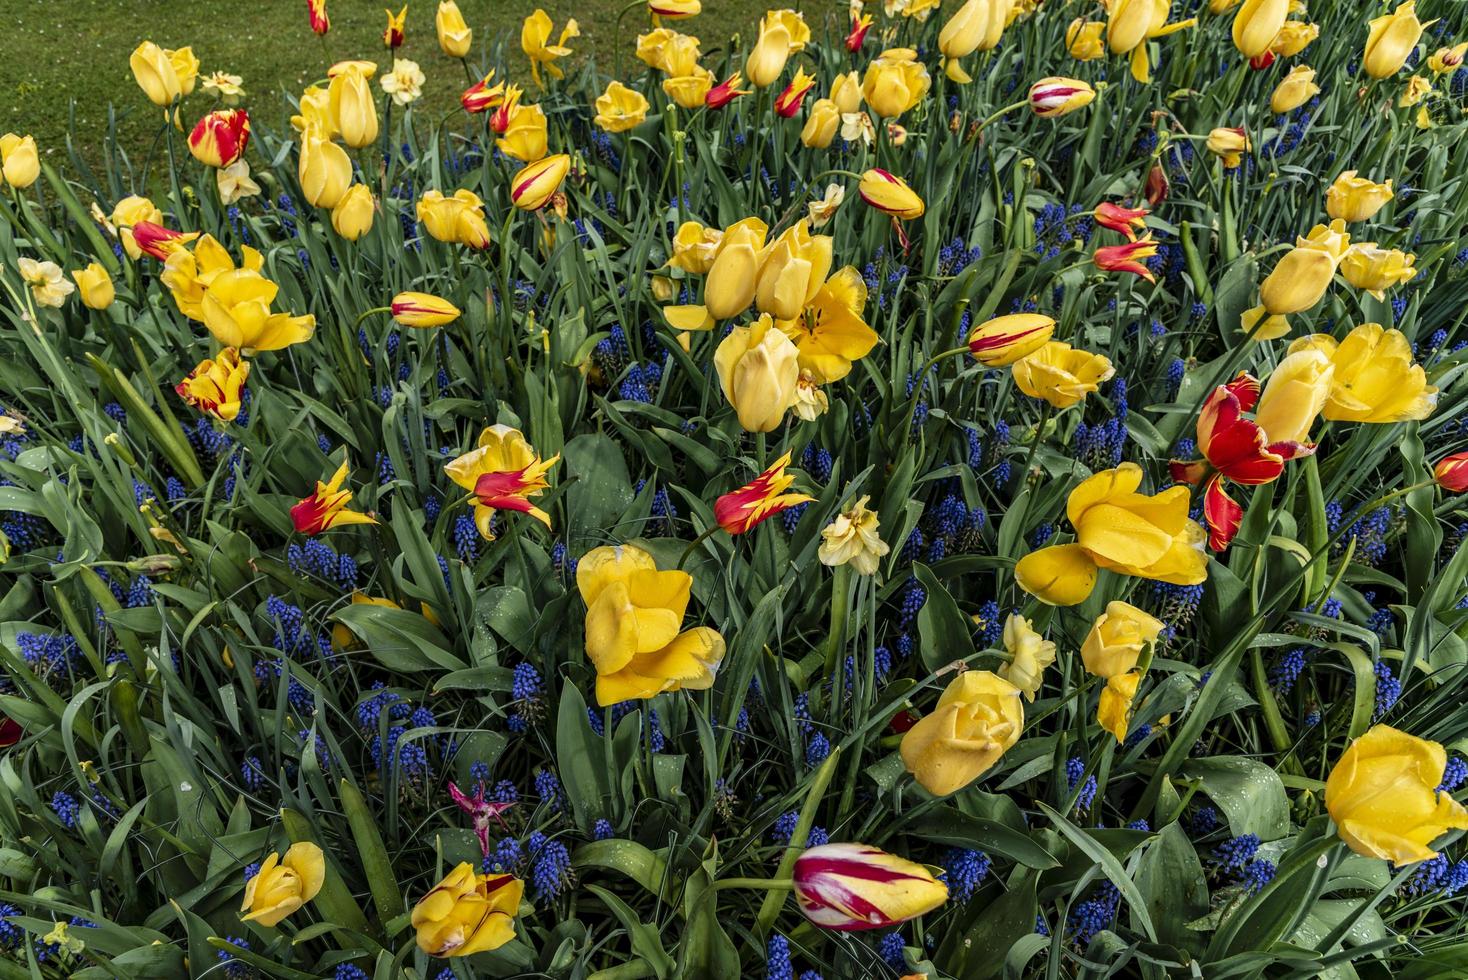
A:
(1005, 339)
(217, 385)
(1451, 472)
(326, 507)
(856, 886)
(890, 194)
(1057, 96)
(423, 310)
(220, 138)
(502, 472)
(740, 510)
(1123, 258)
(317, 17)
(534, 184)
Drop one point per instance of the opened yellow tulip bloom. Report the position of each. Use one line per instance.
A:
(283, 884)
(236, 309)
(535, 35)
(1298, 281)
(830, 333)
(821, 126)
(1256, 25)
(459, 218)
(467, 913)
(1374, 378)
(94, 286)
(1116, 704)
(978, 717)
(1383, 796)
(503, 471)
(189, 273)
(1375, 270)
(1029, 655)
(895, 82)
(1132, 23)
(620, 108)
(694, 247)
(1294, 90)
(1061, 374)
(19, 163)
(758, 370)
(1117, 639)
(791, 270)
(1391, 39)
(1294, 395)
(454, 36)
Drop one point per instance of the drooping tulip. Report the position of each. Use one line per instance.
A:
(1060, 374)
(457, 218)
(467, 913)
(1229, 144)
(1374, 376)
(236, 310)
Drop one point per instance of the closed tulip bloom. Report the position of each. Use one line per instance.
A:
(317, 17)
(1083, 39)
(20, 165)
(846, 92)
(792, 270)
(1124, 258)
(961, 37)
(503, 471)
(1384, 796)
(719, 95)
(1060, 575)
(532, 185)
(353, 214)
(130, 211)
(978, 717)
(1221, 6)
(1294, 90)
(94, 286)
(821, 126)
(1374, 377)
(1353, 198)
(48, 285)
(1294, 396)
(467, 913)
(1061, 374)
(483, 95)
(739, 511)
(220, 137)
(352, 106)
(324, 170)
(758, 370)
(283, 884)
(675, 9)
(237, 312)
(856, 886)
(459, 218)
(423, 310)
(535, 35)
(1451, 472)
(1116, 704)
(830, 333)
(620, 108)
(731, 278)
(1029, 656)
(216, 387)
(634, 634)
(1295, 36)
(525, 134)
(1117, 639)
(158, 241)
(1375, 270)
(1298, 281)
(1005, 339)
(852, 539)
(1256, 24)
(153, 70)
(890, 194)
(1391, 39)
(454, 36)
(1054, 96)
(768, 56)
(1132, 23)
(894, 82)
(1229, 145)
(657, 48)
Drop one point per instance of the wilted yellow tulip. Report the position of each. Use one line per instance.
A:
(237, 312)
(1353, 198)
(1029, 655)
(1384, 796)
(1005, 339)
(1116, 703)
(216, 386)
(284, 884)
(1122, 530)
(1391, 39)
(324, 170)
(976, 720)
(1294, 395)
(94, 286)
(535, 35)
(758, 370)
(890, 194)
(830, 333)
(1256, 25)
(1083, 39)
(154, 72)
(1298, 281)
(1061, 374)
(467, 913)
(1375, 378)
(1229, 145)
(1295, 36)
(19, 163)
(1294, 90)
(768, 56)
(533, 184)
(454, 36)
(1117, 638)
(349, 100)
(353, 214)
(459, 218)
(731, 278)
(821, 125)
(792, 269)
(895, 82)
(846, 92)
(620, 108)
(1376, 270)
(852, 538)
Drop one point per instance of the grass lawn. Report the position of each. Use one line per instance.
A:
(75, 54)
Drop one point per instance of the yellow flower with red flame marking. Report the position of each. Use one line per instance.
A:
(502, 472)
(326, 508)
(220, 138)
(217, 385)
(317, 17)
(762, 498)
(1123, 258)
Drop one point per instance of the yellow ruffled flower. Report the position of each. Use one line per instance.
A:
(1117, 638)
(1030, 654)
(459, 218)
(1374, 378)
(620, 108)
(49, 286)
(895, 82)
(852, 539)
(1115, 705)
(694, 247)
(1295, 36)
(535, 35)
(1383, 796)
(1418, 88)
(216, 387)
(1061, 374)
(284, 884)
(467, 913)
(188, 273)
(976, 720)
(1376, 270)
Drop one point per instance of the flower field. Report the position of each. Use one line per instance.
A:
(965, 490)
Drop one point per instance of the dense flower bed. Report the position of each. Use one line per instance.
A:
(954, 492)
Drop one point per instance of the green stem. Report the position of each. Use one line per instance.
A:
(762, 884)
(771, 906)
(693, 545)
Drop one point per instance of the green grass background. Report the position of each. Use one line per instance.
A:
(71, 57)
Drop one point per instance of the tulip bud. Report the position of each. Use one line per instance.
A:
(352, 106)
(846, 92)
(353, 214)
(890, 194)
(1353, 198)
(758, 370)
(94, 286)
(1390, 41)
(154, 72)
(1257, 23)
(1294, 90)
(1294, 395)
(1157, 185)
(21, 164)
(730, 286)
(1117, 638)
(767, 60)
(454, 36)
(423, 310)
(324, 170)
(856, 886)
(977, 719)
(220, 137)
(1051, 97)
(533, 185)
(1229, 145)
(316, 16)
(1005, 339)
(1451, 472)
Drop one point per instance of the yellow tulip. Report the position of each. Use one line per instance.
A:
(976, 720)
(1376, 270)
(351, 106)
(694, 247)
(634, 636)
(1005, 339)
(19, 163)
(534, 184)
(131, 211)
(1418, 88)
(1119, 529)
(1294, 90)
(620, 108)
(1256, 25)
(454, 36)
(185, 67)
(890, 194)
(1383, 796)
(94, 286)
(1299, 280)
(525, 136)
(793, 22)
(467, 913)
(758, 370)
(315, 114)
(1000, 12)
(690, 90)
(674, 9)
(852, 538)
(216, 386)
(459, 218)
(668, 51)
(1391, 39)
(1061, 374)
(535, 35)
(768, 56)
(792, 269)
(730, 286)
(1229, 145)
(1083, 39)
(423, 310)
(962, 35)
(830, 333)
(284, 884)
(1295, 36)
(189, 273)
(821, 125)
(1294, 395)
(1117, 638)
(324, 170)
(353, 214)
(1131, 23)
(846, 92)
(1374, 377)
(507, 466)
(1221, 6)
(895, 82)
(237, 312)
(1029, 655)
(153, 70)
(1116, 704)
